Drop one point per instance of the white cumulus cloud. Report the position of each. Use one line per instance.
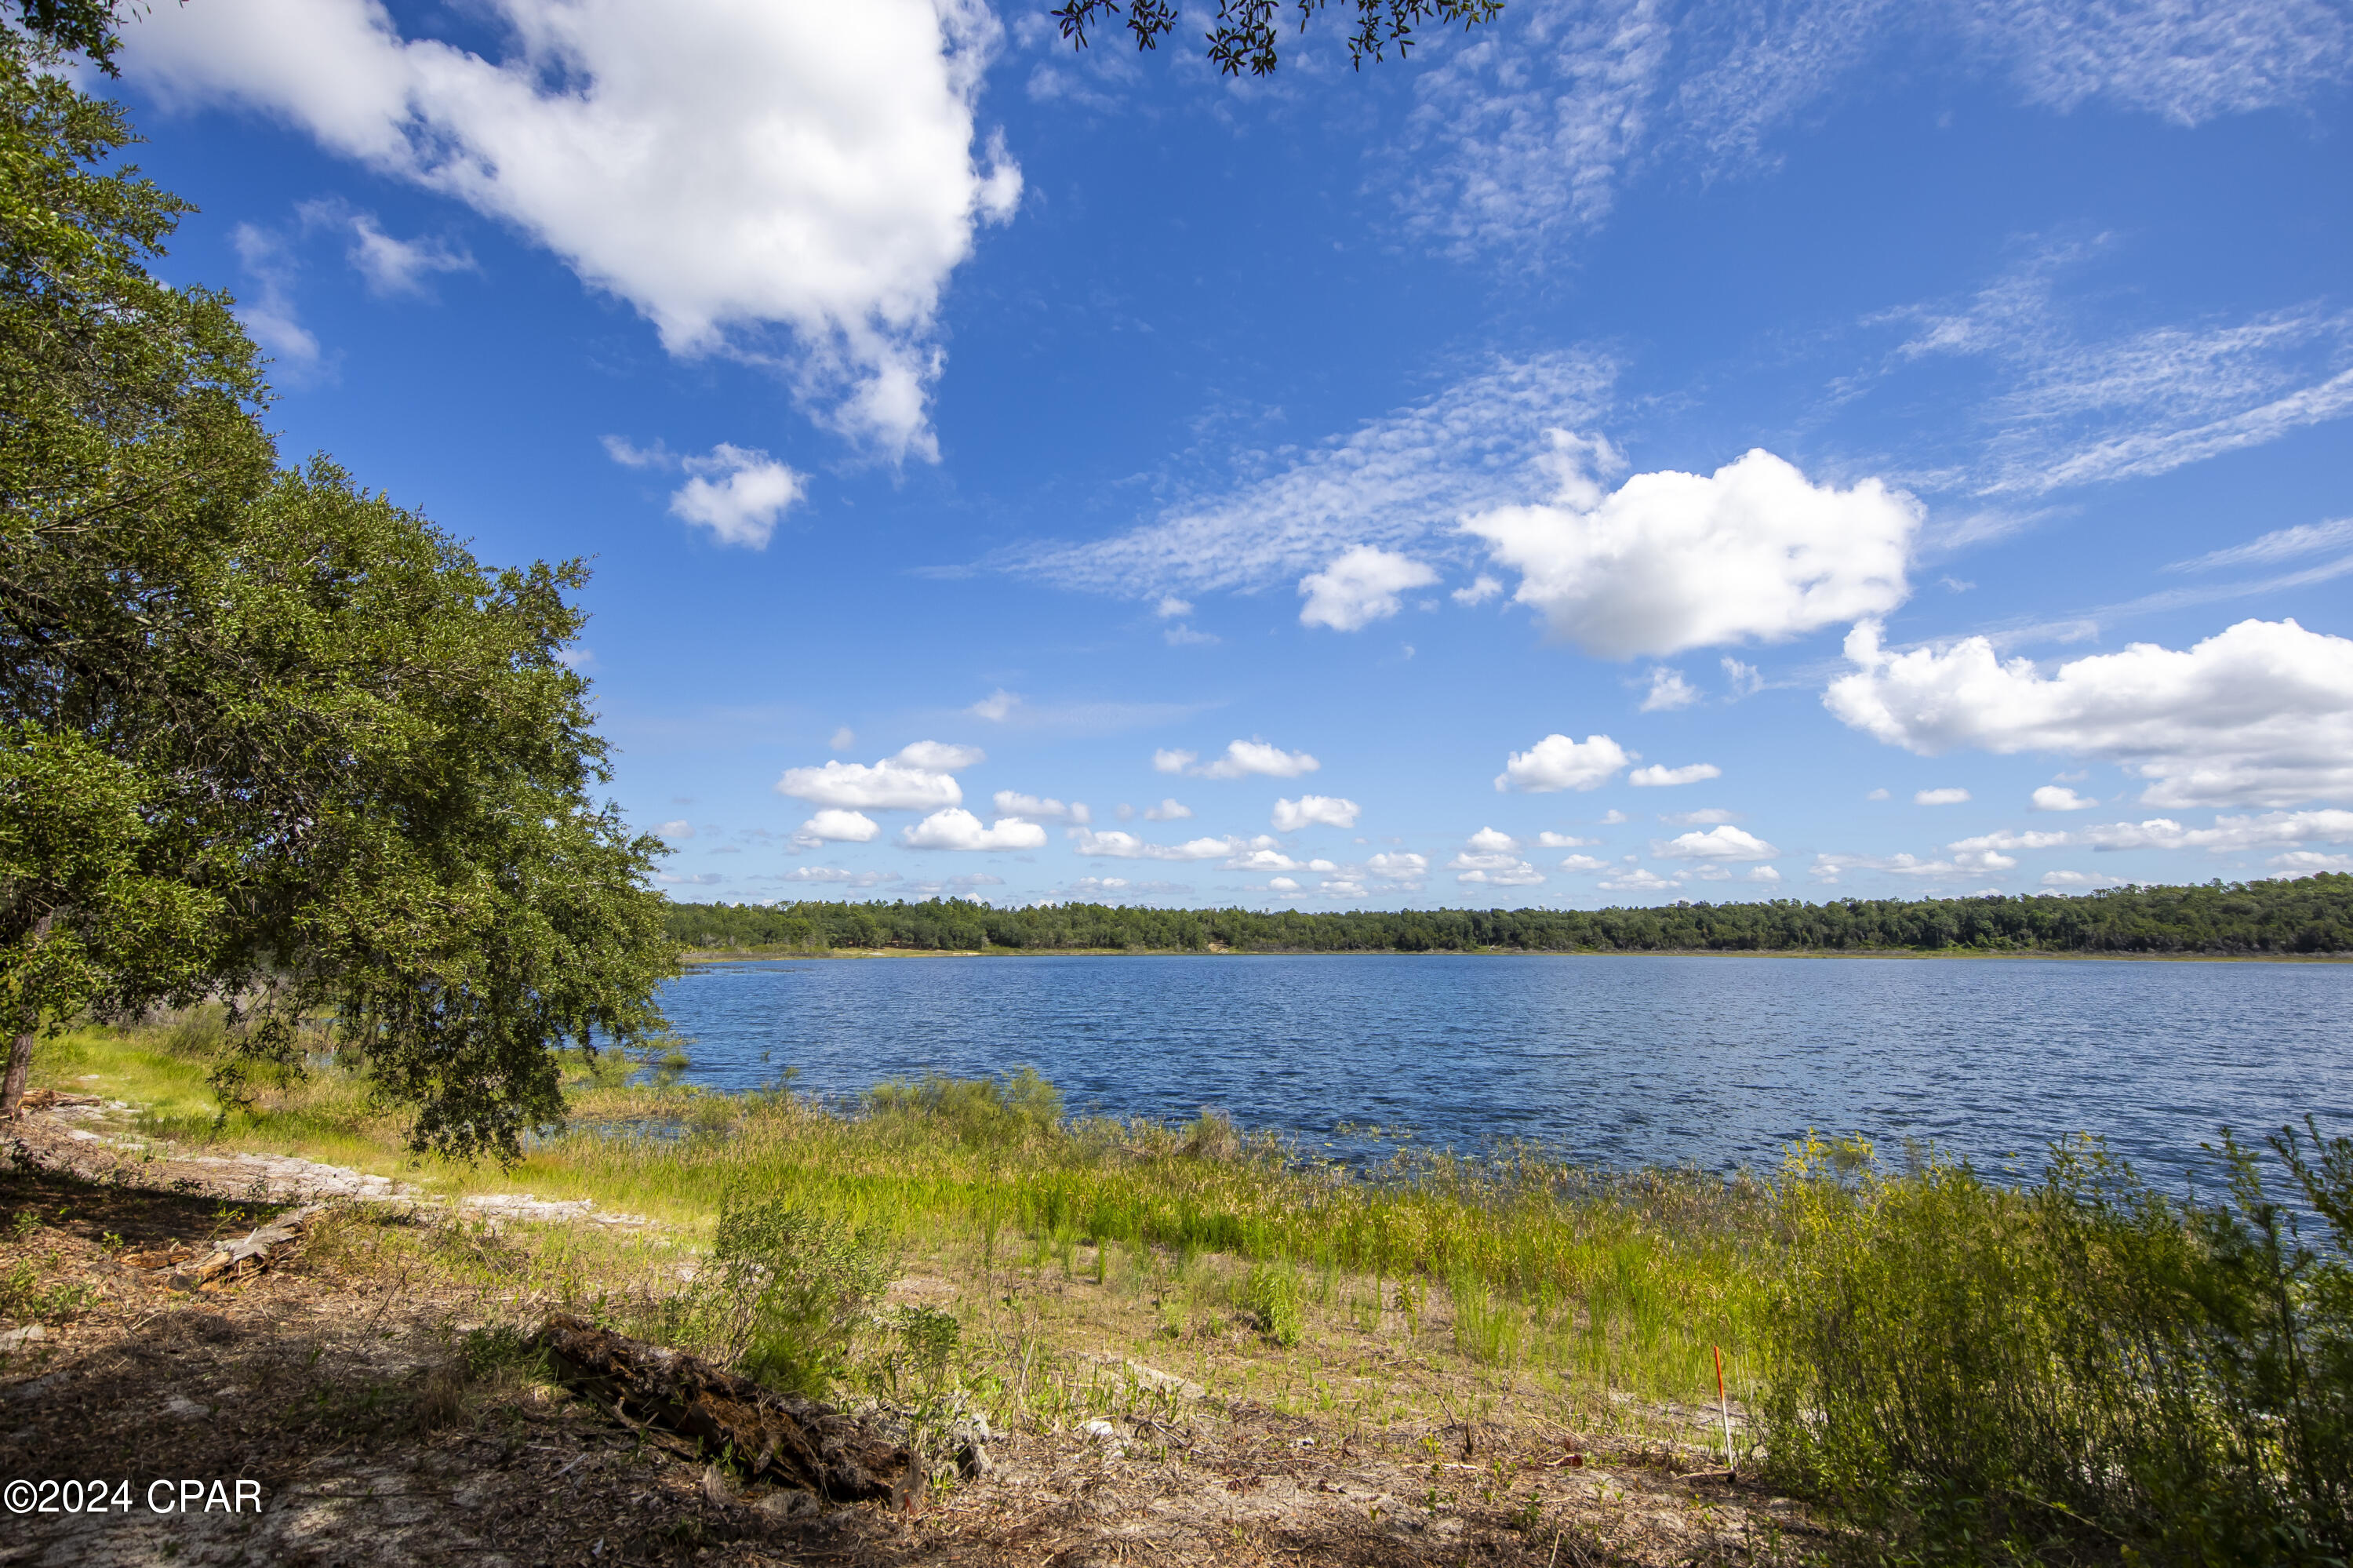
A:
(1498, 870)
(1115, 844)
(1672, 561)
(838, 827)
(1242, 759)
(2059, 797)
(1290, 816)
(1723, 841)
(1170, 810)
(1039, 807)
(1659, 776)
(1398, 865)
(1549, 840)
(1492, 841)
(957, 829)
(1668, 692)
(1583, 863)
(919, 779)
(681, 829)
(2260, 714)
(1556, 762)
(1360, 588)
(1953, 796)
(781, 179)
(738, 493)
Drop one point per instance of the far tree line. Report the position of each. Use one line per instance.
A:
(2310, 916)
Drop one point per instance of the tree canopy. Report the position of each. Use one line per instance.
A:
(266, 738)
(2310, 915)
(1245, 35)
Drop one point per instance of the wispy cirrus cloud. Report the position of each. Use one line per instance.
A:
(2078, 407)
(1527, 133)
(1395, 481)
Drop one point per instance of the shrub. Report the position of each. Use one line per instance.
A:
(1211, 1135)
(787, 1291)
(1272, 1300)
(1019, 1108)
(1971, 1372)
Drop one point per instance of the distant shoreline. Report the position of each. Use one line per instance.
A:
(710, 957)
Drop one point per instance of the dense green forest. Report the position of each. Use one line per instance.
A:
(2312, 915)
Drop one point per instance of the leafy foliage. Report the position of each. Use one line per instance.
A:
(1973, 1373)
(2310, 915)
(786, 1291)
(1245, 33)
(321, 764)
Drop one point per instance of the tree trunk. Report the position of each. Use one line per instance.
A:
(20, 1067)
(20, 1050)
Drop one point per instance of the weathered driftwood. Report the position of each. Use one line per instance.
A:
(50, 1099)
(771, 1436)
(226, 1262)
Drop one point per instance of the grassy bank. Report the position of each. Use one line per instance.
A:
(2084, 1370)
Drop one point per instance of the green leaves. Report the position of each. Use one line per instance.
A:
(316, 760)
(1246, 35)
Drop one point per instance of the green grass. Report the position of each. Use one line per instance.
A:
(1962, 1371)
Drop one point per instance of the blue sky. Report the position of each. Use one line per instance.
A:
(1634, 452)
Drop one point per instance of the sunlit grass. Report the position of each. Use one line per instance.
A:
(1621, 1283)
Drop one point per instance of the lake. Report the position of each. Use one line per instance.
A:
(1718, 1061)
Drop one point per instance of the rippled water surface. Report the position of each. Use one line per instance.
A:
(1719, 1060)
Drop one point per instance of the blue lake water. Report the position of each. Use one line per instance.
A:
(1718, 1061)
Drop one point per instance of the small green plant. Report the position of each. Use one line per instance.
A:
(1272, 1300)
(25, 1223)
(785, 1292)
(928, 1337)
(22, 1296)
(1486, 1331)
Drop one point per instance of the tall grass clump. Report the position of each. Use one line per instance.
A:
(2078, 1370)
(1020, 1108)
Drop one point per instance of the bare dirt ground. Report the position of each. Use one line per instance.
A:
(344, 1394)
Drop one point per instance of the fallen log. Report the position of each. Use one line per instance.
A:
(226, 1262)
(50, 1099)
(771, 1436)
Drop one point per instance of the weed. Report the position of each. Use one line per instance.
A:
(787, 1290)
(1272, 1298)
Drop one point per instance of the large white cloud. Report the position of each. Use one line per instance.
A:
(1360, 588)
(838, 827)
(1290, 816)
(729, 168)
(2260, 714)
(1672, 561)
(919, 779)
(1556, 762)
(737, 493)
(957, 829)
(1721, 842)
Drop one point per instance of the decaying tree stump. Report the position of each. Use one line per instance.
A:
(777, 1437)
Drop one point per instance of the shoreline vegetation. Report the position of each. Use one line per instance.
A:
(2307, 917)
(2075, 1368)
